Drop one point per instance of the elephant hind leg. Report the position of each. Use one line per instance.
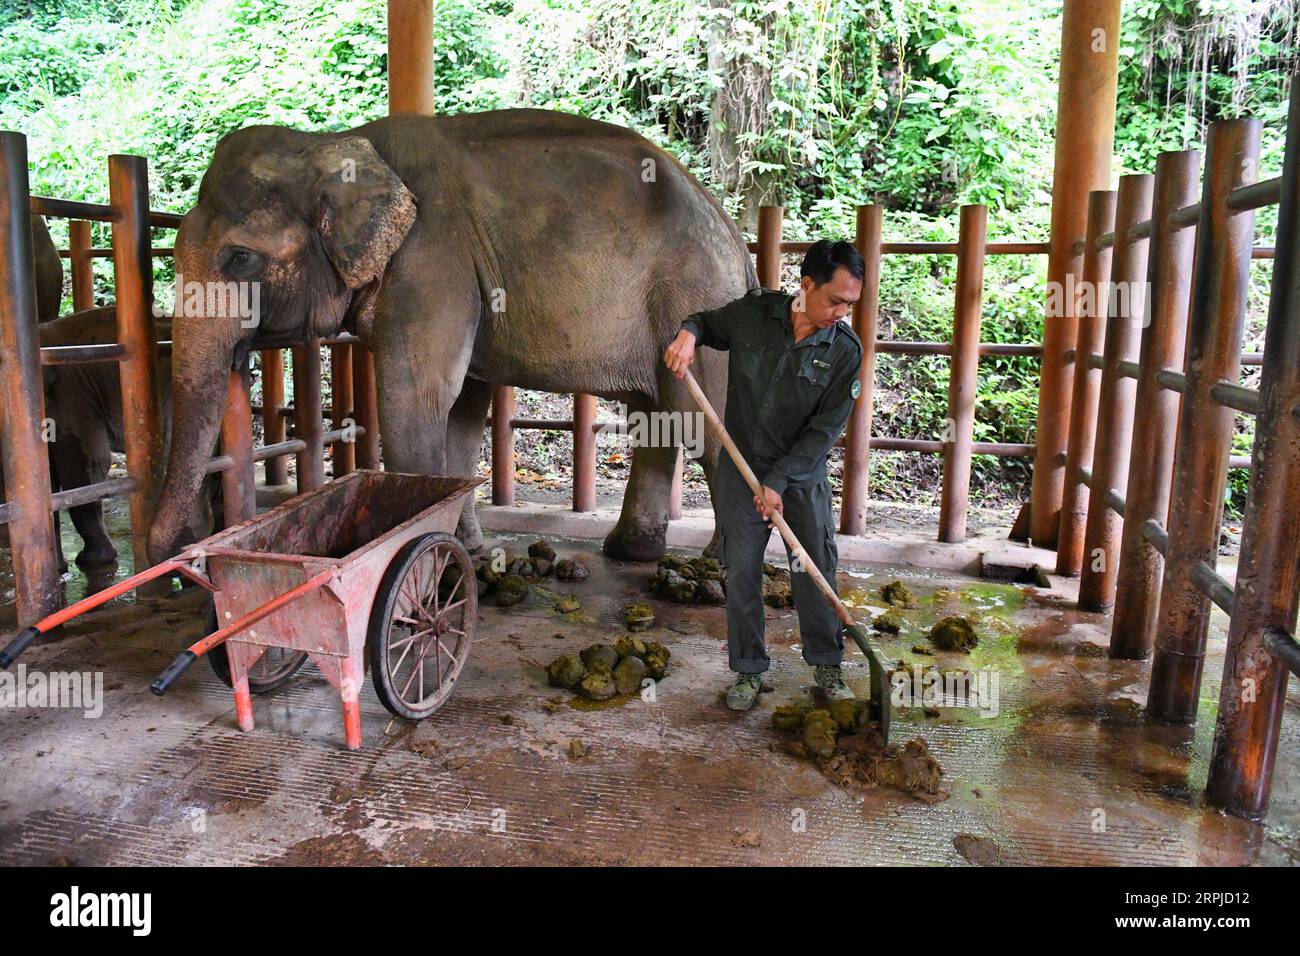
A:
(712, 374)
(77, 462)
(657, 432)
(642, 528)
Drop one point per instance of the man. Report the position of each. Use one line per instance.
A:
(792, 379)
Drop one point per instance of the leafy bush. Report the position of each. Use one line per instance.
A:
(819, 106)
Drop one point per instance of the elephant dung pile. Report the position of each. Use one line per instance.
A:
(947, 634)
(690, 580)
(888, 622)
(897, 594)
(510, 584)
(704, 581)
(601, 671)
(776, 587)
(638, 616)
(954, 634)
(847, 748)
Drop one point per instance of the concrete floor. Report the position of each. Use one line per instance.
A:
(489, 779)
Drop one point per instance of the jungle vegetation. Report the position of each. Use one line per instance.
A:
(816, 105)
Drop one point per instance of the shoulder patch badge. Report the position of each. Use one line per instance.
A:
(857, 388)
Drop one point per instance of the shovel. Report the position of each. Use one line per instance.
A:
(878, 706)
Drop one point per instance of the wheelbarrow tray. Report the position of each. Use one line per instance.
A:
(332, 548)
(356, 524)
(306, 577)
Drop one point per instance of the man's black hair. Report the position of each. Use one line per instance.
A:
(825, 257)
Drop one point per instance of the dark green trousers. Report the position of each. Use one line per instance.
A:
(811, 517)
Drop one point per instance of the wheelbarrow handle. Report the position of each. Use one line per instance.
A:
(174, 670)
(19, 644)
(23, 639)
(200, 647)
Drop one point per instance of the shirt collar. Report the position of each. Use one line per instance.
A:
(780, 309)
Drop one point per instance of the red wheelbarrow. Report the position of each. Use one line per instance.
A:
(362, 573)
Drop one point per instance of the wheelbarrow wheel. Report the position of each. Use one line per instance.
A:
(272, 671)
(422, 625)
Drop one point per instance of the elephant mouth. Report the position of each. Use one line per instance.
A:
(281, 339)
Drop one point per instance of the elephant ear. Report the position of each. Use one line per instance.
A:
(363, 211)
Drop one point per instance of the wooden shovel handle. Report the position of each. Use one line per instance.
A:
(796, 549)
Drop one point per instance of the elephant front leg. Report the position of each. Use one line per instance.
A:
(464, 443)
(423, 335)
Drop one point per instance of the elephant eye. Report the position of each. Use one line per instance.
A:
(241, 263)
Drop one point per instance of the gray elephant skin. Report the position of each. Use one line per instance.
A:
(84, 403)
(518, 247)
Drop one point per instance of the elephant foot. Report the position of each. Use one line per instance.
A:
(714, 548)
(469, 533)
(633, 543)
(96, 557)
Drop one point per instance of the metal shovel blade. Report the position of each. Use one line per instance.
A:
(879, 704)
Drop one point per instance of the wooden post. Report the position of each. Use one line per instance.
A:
(410, 90)
(26, 461)
(273, 427)
(503, 446)
(83, 277)
(963, 376)
(1085, 134)
(1125, 317)
(584, 453)
(1253, 693)
(238, 493)
(410, 57)
(1215, 328)
(768, 264)
(857, 440)
(1151, 459)
(307, 422)
(366, 404)
(128, 192)
(343, 455)
(1087, 384)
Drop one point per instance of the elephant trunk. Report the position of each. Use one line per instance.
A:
(200, 366)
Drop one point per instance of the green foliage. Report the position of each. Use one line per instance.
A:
(918, 105)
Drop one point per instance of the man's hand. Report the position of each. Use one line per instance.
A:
(681, 353)
(769, 503)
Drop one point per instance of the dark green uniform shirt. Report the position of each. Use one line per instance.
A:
(787, 402)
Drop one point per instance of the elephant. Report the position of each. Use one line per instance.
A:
(516, 247)
(84, 402)
(48, 271)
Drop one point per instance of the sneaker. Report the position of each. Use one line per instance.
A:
(744, 692)
(830, 678)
